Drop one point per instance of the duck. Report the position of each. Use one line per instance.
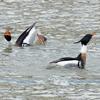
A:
(30, 36)
(85, 40)
(79, 61)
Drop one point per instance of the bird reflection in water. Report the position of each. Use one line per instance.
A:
(8, 49)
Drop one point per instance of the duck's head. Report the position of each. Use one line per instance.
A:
(7, 33)
(93, 34)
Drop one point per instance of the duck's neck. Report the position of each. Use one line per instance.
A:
(83, 49)
(83, 55)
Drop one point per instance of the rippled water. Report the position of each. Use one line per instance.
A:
(23, 71)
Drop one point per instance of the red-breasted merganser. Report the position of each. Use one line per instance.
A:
(30, 36)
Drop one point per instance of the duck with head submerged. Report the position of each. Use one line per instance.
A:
(86, 38)
(79, 61)
(30, 36)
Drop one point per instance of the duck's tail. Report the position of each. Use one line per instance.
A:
(77, 42)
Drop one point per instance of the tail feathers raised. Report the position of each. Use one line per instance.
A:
(33, 25)
(23, 35)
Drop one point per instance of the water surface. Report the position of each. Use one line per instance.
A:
(23, 71)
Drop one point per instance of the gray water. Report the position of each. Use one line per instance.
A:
(23, 71)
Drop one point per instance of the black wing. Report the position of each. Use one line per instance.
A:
(24, 35)
(64, 59)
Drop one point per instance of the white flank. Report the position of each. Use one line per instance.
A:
(83, 49)
(31, 36)
(64, 63)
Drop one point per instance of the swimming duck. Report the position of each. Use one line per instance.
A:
(78, 61)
